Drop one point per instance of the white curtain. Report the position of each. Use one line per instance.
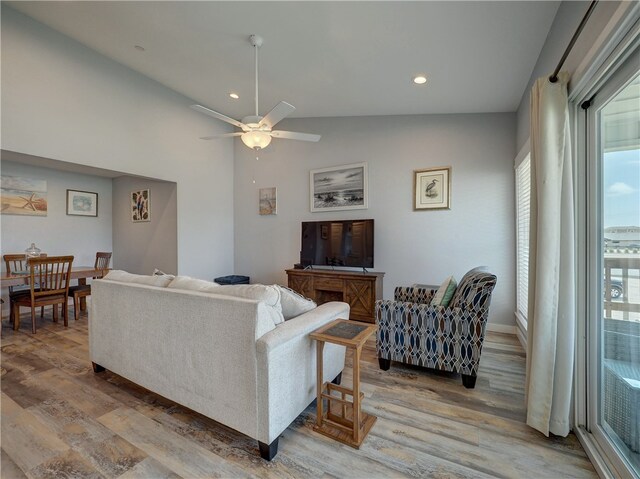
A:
(551, 319)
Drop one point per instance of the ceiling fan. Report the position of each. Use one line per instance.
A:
(257, 131)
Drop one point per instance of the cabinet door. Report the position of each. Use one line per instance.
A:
(302, 284)
(361, 297)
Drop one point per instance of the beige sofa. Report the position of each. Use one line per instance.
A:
(221, 356)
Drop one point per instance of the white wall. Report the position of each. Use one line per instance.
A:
(410, 246)
(57, 233)
(142, 247)
(63, 101)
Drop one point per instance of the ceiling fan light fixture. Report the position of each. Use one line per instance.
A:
(256, 139)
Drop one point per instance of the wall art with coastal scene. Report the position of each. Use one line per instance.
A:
(339, 188)
(23, 196)
(140, 206)
(268, 201)
(82, 203)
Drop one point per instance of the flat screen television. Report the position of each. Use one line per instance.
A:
(337, 243)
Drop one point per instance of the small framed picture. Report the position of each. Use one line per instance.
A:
(82, 203)
(140, 206)
(268, 201)
(432, 189)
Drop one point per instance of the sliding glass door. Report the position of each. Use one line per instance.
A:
(613, 216)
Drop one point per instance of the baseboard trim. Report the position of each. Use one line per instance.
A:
(501, 328)
(521, 338)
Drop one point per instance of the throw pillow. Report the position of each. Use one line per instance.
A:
(125, 277)
(445, 292)
(294, 304)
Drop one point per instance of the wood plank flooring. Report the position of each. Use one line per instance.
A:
(59, 419)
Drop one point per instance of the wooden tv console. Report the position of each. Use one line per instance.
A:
(359, 290)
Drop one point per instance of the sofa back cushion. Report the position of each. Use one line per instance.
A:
(125, 277)
(269, 295)
(294, 304)
(193, 284)
(474, 291)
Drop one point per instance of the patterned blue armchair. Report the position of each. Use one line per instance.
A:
(450, 338)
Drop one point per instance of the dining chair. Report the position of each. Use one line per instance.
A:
(84, 290)
(48, 285)
(14, 263)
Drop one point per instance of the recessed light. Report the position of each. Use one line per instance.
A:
(139, 48)
(234, 96)
(420, 79)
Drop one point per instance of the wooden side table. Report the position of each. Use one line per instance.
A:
(343, 419)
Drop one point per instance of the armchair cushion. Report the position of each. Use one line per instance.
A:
(474, 291)
(415, 294)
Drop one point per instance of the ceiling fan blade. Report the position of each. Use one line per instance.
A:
(293, 135)
(226, 135)
(219, 116)
(278, 112)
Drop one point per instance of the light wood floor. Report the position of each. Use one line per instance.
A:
(59, 419)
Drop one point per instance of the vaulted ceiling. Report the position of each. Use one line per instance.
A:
(326, 58)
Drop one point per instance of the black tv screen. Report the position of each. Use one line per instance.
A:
(337, 243)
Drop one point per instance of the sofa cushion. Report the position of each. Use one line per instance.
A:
(445, 292)
(294, 304)
(193, 284)
(269, 295)
(125, 277)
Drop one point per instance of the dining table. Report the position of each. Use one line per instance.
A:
(80, 273)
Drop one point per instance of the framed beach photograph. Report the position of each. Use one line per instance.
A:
(268, 201)
(23, 196)
(82, 203)
(140, 206)
(339, 188)
(432, 189)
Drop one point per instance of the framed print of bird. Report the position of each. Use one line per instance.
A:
(432, 188)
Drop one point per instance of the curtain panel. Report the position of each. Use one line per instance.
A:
(551, 315)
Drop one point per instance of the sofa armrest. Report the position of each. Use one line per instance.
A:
(414, 294)
(302, 325)
(286, 360)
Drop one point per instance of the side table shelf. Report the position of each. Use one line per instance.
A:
(343, 419)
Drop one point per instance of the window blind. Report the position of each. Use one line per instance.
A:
(523, 203)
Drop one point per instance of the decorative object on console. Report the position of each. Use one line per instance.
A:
(140, 206)
(268, 201)
(82, 203)
(432, 189)
(412, 331)
(339, 188)
(23, 196)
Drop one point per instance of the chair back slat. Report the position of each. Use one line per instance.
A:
(16, 262)
(102, 261)
(50, 276)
